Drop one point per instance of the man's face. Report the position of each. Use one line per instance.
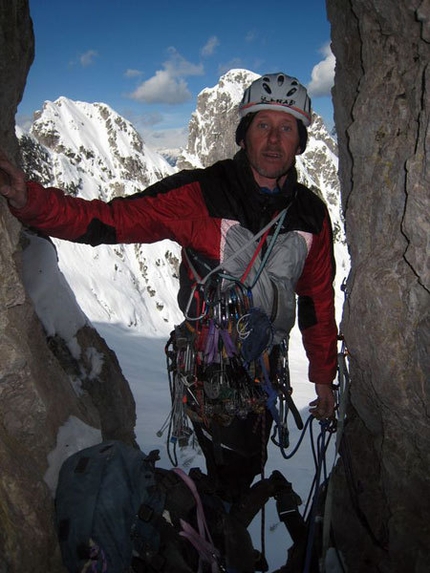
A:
(271, 143)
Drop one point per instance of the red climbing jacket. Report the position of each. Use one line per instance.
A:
(212, 212)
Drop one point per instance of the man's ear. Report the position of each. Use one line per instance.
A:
(242, 144)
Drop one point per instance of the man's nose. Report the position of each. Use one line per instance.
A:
(274, 134)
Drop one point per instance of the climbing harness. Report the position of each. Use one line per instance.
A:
(221, 361)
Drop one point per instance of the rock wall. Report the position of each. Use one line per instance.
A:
(382, 114)
(45, 382)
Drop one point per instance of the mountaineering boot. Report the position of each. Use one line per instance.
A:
(287, 505)
(287, 502)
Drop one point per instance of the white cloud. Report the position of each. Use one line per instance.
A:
(162, 88)
(322, 77)
(132, 73)
(210, 46)
(168, 85)
(258, 64)
(143, 121)
(87, 58)
(151, 119)
(167, 138)
(177, 65)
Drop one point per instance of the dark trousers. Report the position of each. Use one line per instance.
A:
(236, 453)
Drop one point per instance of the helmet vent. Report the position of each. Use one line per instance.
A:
(277, 92)
(266, 88)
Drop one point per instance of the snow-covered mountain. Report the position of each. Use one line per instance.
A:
(95, 143)
(91, 151)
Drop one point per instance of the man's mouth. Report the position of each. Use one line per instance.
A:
(272, 154)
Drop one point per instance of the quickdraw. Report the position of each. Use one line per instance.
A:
(222, 361)
(225, 366)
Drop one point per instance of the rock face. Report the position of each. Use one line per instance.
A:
(211, 131)
(46, 382)
(382, 114)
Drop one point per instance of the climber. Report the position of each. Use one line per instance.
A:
(218, 215)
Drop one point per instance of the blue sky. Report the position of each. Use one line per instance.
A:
(149, 60)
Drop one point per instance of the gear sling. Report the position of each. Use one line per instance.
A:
(226, 376)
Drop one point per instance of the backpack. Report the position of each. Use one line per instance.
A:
(99, 492)
(116, 512)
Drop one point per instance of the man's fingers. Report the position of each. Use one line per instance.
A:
(12, 182)
(8, 169)
(321, 409)
(4, 177)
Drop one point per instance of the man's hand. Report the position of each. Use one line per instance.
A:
(12, 182)
(323, 407)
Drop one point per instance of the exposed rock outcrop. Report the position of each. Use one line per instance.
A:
(46, 379)
(211, 131)
(382, 115)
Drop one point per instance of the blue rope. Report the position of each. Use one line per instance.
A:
(319, 449)
(321, 467)
(299, 442)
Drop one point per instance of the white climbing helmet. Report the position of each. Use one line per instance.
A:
(279, 92)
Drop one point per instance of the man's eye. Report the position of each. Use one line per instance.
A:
(286, 128)
(263, 125)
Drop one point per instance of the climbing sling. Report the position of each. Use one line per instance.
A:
(222, 362)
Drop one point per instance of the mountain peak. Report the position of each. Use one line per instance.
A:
(100, 144)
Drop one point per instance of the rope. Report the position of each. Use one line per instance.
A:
(320, 466)
(245, 245)
(201, 540)
(344, 381)
(254, 256)
(319, 448)
(278, 221)
(263, 509)
(202, 281)
(342, 391)
(299, 442)
(168, 423)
